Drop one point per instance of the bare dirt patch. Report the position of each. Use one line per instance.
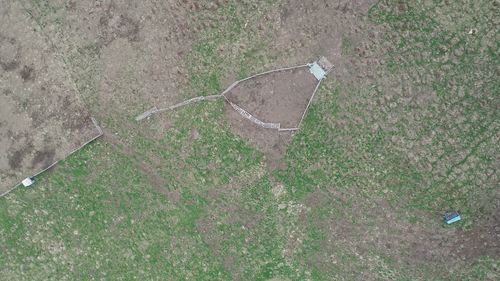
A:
(305, 31)
(341, 31)
(365, 226)
(279, 97)
(484, 237)
(270, 141)
(130, 55)
(124, 55)
(41, 118)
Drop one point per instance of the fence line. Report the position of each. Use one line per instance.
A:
(309, 103)
(274, 70)
(51, 165)
(288, 129)
(155, 110)
(237, 108)
(250, 117)
(51, 42)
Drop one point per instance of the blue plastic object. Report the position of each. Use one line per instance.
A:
(452, 217)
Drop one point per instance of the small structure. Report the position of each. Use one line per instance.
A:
(317, 71)
(320, 68)
(28, 181)
(451, 217)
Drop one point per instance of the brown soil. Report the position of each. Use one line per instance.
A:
(270, 141)
(279, 97)
(41, 118)
(318, 28)
(141, 50)
(382, 227)
(483, 239)
(306, 31)
(137, 49)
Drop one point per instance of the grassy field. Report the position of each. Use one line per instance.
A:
(196, 202)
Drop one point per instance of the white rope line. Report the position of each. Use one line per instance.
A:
(237, 108)
(309, 103)
(78, 97)
(10, 190)
(230, 88)
(288, 129)
(250, 117)
(155, 110)
(275, 70)
(51, 165)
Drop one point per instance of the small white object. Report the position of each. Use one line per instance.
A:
(27, 181)
(317, 71)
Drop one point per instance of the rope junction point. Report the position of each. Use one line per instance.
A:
(319, 69)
